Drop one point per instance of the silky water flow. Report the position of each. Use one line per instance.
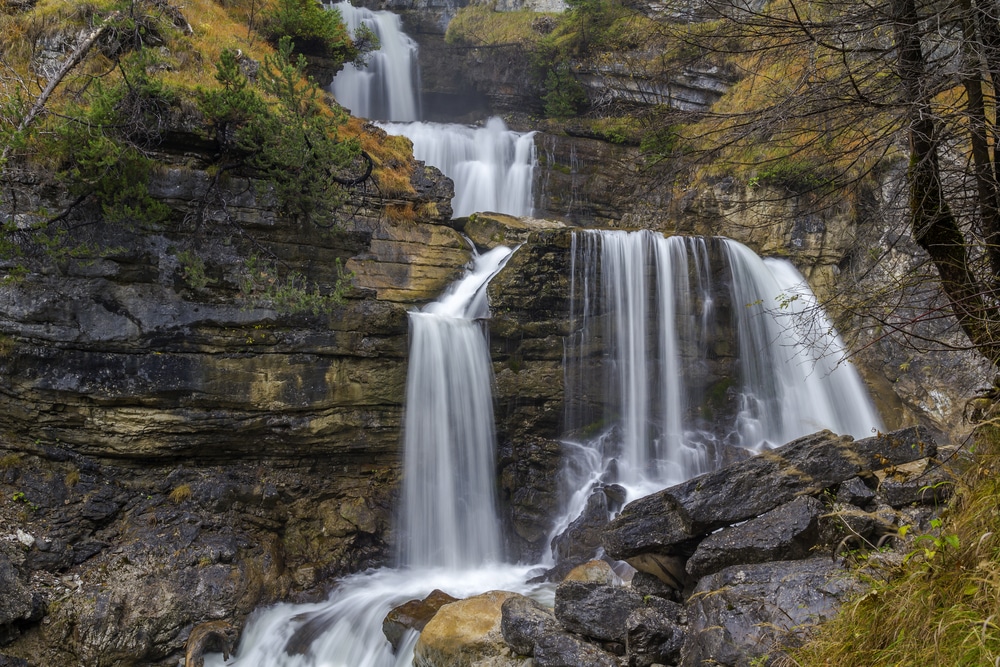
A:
(492, 167)
(644, 315)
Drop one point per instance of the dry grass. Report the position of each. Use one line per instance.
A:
(942, 607)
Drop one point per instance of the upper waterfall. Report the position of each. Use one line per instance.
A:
(388, 87)
(492, 166)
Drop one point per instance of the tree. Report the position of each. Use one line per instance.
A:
(829, 95)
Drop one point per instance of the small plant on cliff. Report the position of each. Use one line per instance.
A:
(180, 494)
(312, 27)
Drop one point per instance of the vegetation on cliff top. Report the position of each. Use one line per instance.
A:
(94, 92)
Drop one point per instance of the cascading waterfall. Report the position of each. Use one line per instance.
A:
(449, 516)
(651, 303)
(492, 166)
(387, 87)
(450, 537)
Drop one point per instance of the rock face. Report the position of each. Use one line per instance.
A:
(174, 452)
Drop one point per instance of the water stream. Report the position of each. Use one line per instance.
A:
(492, 166)
(644, 397)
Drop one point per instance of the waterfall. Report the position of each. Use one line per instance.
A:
(491, 166)
(449, 515)
(388, 87)
(450, 530)
(675, 377)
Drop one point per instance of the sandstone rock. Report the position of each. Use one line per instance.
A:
(666, 521)
(489, 230)
(524, 621)
(746, 611)
(785, 533)
(593, 572)
(467, 633)
(413, 615)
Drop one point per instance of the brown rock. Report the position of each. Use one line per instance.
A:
(413, 615)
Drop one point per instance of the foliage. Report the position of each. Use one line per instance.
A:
(482, 25)
(939, 607)
(290, 292)
(292, 142)
(310, 26)
(564, 95)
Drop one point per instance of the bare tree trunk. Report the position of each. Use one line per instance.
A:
(71, 62)
(934, 225)
(979, 128)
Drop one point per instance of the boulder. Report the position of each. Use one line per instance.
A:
(929, 486)
(467, 633)
(593, 572)
(523, 622)
(595, 610)
(565, 650)
(653, 635)
(668, 521)
(855, 492)
(646, 584)
(785, 533)
(413, 615)
(747, 611)
(582, 538)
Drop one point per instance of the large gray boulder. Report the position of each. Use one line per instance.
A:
(746, 611)
(523, 622)
(565, 650)
(597, 611)
(671, 520)
(653, 635)
(785, 533)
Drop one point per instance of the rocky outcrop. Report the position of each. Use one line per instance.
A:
(752, 589)
(177, 450)
(668, 521)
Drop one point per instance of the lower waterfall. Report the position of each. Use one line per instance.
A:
(655, 323)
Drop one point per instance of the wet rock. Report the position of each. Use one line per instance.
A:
(524, 621)
(209, 637)
(598, 611)
(855, 492)
(582, 538)
(646, 584)
(666, 521)
(413, 615)
(653, 635)
(929, 486)
(465, 632)
(747, 611)
(786, 533)
(565, 650)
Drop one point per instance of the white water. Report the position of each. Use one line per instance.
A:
(388, 87)
(450, 531)
(449, 515)
(648, 301)
(492, 167)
